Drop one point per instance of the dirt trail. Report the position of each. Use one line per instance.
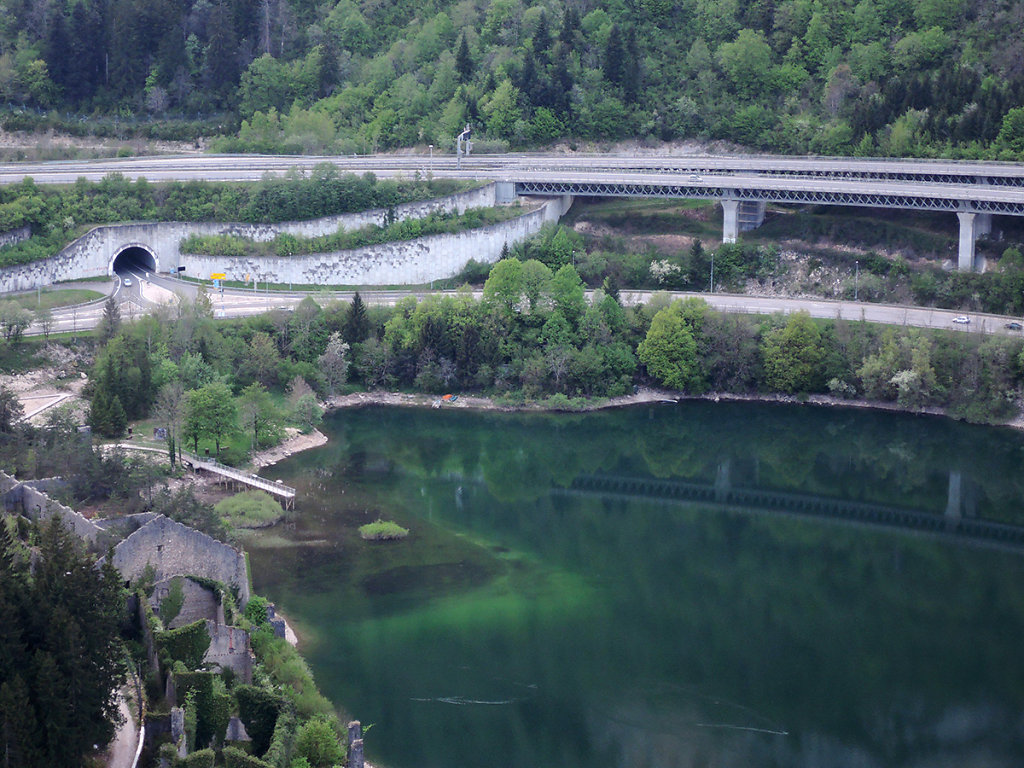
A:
(121, 752)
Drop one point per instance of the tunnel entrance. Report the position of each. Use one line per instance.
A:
(133, 259)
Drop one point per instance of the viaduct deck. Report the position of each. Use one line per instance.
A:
(742, 183)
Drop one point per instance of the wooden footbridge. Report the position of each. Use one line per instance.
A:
(236, 477)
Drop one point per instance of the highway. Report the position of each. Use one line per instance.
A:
(149, 291)
(944, 185)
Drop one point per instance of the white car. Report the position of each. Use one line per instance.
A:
(127, 282)
(961, 319)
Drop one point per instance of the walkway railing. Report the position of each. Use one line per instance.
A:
(239, 476)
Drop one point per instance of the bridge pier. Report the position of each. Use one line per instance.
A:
(723, 480)
(740, 216)
(971, 226)
(730, 220)
(954, 496)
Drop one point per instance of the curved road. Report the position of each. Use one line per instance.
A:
(138, 298)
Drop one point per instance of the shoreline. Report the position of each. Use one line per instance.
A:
(643, 396)
(295, 442)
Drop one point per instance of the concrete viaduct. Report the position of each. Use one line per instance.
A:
(743, 184)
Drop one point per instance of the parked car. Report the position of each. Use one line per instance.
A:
(961, 320)
(1014, 326)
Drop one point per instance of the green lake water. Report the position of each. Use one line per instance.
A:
(702, 584)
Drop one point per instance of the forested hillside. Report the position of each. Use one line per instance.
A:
(899, 77)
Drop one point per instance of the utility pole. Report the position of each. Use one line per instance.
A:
(856, 280)
(712, 272)
(430, 167)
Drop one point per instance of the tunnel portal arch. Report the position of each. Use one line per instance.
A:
(133, 255)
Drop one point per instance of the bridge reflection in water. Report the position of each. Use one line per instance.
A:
(954, 523)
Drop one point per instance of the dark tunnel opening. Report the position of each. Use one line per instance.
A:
(134, 260)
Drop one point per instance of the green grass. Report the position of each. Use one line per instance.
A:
(51, 298)
(383, 530)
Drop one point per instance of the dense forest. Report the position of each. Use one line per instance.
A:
(867, 77)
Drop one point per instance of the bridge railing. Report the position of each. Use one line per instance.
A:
(234, 473)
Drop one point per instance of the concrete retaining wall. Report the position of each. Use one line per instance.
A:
(93, 253)
(405, 262)
(15, 235)
(415, 261)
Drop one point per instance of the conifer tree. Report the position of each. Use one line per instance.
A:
(463, 63)
(61, 657)
(111, 320)
(614, 57)
(357, 325)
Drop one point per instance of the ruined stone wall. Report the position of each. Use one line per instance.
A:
(24, 499)
(92, 253)
(199, 602)
(174, 549)
(229, 649)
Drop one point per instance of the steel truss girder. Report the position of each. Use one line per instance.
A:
(824, 173)
(603, 189)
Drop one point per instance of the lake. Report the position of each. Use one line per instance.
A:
(669, 585)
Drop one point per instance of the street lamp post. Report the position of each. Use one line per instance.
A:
(712, 271)
(430, 167)
(856, 280)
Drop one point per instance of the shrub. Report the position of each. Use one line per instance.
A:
(236, 758)
(258, 710)
(187, 644)
(383, 530)
(203, 758)
(250, 509)
(318, 743)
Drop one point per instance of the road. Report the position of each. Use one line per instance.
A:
(136, 299)
(895, 183)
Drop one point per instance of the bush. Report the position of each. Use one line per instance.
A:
(382, 530)
(317, 742)
(236, 758)
(186, 644)
(258, 710)
(203, 758)
(250, 509)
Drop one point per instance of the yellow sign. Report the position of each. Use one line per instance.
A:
(217, 275)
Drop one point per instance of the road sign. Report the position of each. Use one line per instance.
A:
(217, 275)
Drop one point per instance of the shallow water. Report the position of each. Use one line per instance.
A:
(669, 585)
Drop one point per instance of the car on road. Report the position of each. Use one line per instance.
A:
(127, 282)
(1014, 326)
(694, 177)
(961, 319)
